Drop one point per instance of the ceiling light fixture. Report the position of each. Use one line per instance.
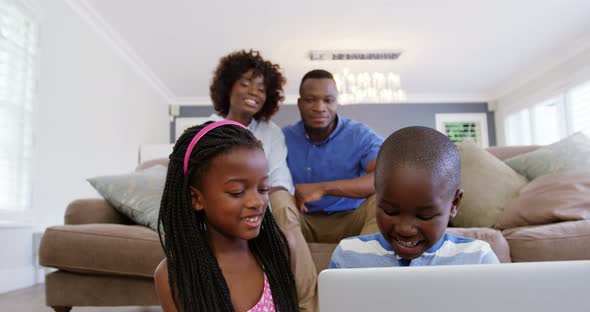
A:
(354, 55)
(376, 87)
(364, 87)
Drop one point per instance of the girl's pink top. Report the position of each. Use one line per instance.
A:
(265, 304)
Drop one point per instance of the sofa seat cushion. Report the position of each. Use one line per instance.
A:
(551, 242)
(493, 237)
(115, 249)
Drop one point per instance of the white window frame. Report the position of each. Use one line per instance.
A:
(564, 114)
(480, 118)
(569, 125)
(22, 211)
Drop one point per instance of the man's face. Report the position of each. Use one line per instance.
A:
(414, 208)
(317, 105)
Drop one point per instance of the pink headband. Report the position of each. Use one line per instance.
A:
(201, 133)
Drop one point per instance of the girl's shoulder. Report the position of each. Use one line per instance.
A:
(163, 287)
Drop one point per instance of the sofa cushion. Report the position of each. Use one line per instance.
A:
(488, 184)
(569, 154)
(80, 290)
(505, 152)
(93, 210)
(137, 195)
(551, 242)
(493, 237)
(549, 199)
(152, 163)
(102, 249)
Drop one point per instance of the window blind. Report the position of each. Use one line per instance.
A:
(18, 36)
(464, 127)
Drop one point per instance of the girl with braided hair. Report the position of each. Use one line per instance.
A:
(248, 89)
(224, 251)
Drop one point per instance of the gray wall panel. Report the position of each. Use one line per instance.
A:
(383, 118)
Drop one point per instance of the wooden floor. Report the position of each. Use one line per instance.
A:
(32, 299)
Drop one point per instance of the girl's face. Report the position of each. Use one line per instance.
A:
(248, 94)
(234, 194)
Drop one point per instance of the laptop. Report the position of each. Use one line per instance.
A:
(560, 286)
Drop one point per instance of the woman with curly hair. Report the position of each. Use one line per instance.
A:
(248, 89)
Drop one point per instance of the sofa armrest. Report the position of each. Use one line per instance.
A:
(491, 236)
(85, 211)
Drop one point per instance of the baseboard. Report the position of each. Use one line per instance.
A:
(17, 278)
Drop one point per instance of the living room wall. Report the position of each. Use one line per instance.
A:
(545, 84)
(93, 110)
(383, 118)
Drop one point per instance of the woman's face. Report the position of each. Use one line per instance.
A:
(248, 94)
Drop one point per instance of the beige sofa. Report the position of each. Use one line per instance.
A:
(105, 260)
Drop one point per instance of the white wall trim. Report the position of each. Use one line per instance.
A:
(119, 45)
(417, 98)
(17, 278)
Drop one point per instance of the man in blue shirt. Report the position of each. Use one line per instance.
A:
(331, 159)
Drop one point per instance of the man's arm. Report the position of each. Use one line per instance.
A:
(360, 187)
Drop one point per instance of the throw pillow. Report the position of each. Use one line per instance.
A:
(488, 184)
(569, 154)
(136, 195)
(548, 199)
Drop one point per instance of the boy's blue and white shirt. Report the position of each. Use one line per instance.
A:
(374, 251)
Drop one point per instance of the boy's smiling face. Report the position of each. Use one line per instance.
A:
(414, 208)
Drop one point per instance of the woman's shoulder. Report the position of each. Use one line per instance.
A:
(267, 131)
(269, 125)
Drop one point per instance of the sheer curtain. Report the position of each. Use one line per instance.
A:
(18, 47)
(579, 108)
(551, 120)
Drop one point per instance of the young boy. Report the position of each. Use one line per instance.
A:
(417, 185)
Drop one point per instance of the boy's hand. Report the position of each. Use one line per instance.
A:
(308, 192)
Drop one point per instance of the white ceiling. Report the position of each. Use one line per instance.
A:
(453, 49)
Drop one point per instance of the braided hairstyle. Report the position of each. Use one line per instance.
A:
(195, 279)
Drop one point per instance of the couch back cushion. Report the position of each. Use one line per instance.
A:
(505, 152)
(151, 163)
(488, 184)
(136, 195)
(548, 199)
(569, 154)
